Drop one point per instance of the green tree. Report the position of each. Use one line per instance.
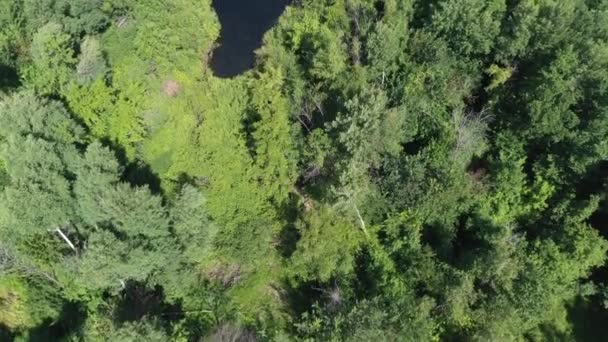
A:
(192, 225)
(469, 26)
(76, 16)
(91, 64)
(115, 232)
(274, 136)
(52, 59)
(93, 104)
(326, 248)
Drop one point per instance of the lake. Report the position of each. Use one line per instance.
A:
(244, 23)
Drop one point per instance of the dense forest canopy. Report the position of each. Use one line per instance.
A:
(389, 170)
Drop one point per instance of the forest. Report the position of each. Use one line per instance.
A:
(387, 170)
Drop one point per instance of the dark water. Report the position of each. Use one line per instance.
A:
(244, 23)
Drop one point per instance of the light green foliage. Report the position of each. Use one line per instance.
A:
(163, 36)
(26, 303)
(310, 35)
(125, 125)
(13, 307)
(387, 41)
(111, 114)
(401, 319)
(368, 130)
(191, 221)
(52, 59)
(91, 64)
(233, 195)
(274, 138)
(470, 130)
(499, 75)
(512, 197)
(174, 41)
(172, 155)
(158, 42)
(93, 104)
(147, 330)
(11, 38)
(326, 247)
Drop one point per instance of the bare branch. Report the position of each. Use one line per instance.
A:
(361, 220)
(304, 124)
(66, 239)
(9, 263)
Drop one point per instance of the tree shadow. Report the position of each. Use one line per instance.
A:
(588, 319)
(440, 237)
(9, 78)
(301, 297)
(289, 234)
(71, 320)
(136, 172)
(138, 301)
(423, 11)
(594, 180)
(140, 174)
(6, 334)
(367, 274)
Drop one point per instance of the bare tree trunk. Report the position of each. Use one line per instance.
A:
(49, 277)
(305, 125)
(65, 238)
(361, 220)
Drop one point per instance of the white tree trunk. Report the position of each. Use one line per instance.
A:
(361, 220)
(65, 238)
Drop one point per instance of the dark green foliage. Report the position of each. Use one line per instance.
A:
(77, 16)
(470, 26)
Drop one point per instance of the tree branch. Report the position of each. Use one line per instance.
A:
(66, 239)
(361, 220)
